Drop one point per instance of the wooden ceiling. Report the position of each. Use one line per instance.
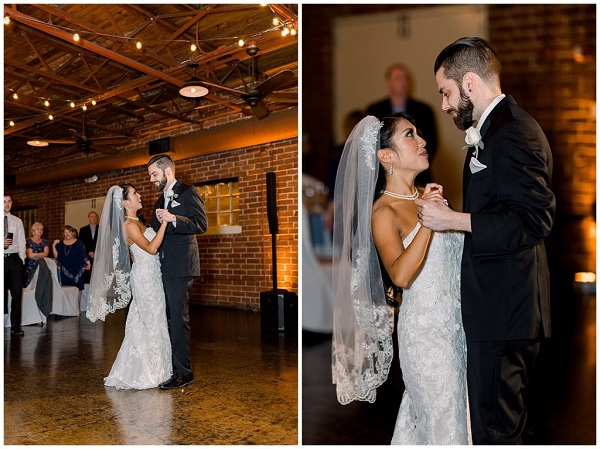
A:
(136, 91)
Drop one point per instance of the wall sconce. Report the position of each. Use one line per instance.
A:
(585, 283)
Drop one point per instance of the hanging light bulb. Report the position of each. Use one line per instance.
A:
(7, 19)
(11, 123)
(50, 117)
(76, 37)
(241, 42)
(193, 88)
(193, 47)
(46, 103)
(72, 104)
(138, 45)
(84, 107)
(275, 21)
(285, 31)
(293, 31)
(15, 96)
(93, 102)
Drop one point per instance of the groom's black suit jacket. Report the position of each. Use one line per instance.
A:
(179, 250)
(505, 284)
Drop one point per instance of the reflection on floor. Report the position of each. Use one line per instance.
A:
(562, 398)
(246, 388)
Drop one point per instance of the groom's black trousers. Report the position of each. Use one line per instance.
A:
(497, 374)
(178, 317)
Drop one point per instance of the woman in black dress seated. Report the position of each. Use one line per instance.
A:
(71, 258)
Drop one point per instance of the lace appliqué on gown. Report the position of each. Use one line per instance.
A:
(144, 360)
(432, 349)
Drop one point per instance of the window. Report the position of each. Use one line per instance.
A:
(222, 201)
(28, 216)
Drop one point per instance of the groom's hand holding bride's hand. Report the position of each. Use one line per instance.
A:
(433, 208)
(165, 215)
(434, 213)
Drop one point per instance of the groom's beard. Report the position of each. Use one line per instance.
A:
(161, 184)
(463, 117)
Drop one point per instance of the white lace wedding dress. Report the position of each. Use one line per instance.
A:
(432, 349)
(144, 360)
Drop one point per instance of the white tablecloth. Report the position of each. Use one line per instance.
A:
(317, 292)
(30, 314)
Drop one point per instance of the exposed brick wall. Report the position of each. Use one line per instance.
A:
(548, 54)
(235, 268)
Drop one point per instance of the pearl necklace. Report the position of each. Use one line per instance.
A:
(132, 218)
(412, 197)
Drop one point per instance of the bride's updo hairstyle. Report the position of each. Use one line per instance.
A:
(386, 135)
(125, 188)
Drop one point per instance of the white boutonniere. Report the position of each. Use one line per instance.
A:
(171, 195)
(473, 140)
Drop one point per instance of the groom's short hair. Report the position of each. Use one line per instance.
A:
(162, 161)
(469, 54)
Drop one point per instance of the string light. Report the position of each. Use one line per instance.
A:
(138, 45)
(275, 21)
(50, 117)
(293, 32)
(285, 31)
(93, 102)
(72, 104)
(241, 42)
(15, 96)
(11, 123)
(76, 37)
(46, 103)
(84, 107)
(6, 19)
(193, 47)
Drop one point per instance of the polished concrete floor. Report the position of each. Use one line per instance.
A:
(246, 388)
(562, 398)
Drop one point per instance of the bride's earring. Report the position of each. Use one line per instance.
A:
(391, 168)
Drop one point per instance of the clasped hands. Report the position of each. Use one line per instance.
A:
(433, 210)
(165, 215)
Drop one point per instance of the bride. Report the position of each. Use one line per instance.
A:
(144, 360)
(380, 245)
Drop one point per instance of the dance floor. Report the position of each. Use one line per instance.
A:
(562, 398)
(245, 392)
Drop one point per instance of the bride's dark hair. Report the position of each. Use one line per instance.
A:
(125, 188)
(385, 141)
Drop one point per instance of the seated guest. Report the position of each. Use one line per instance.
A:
(71, 257)
(35, 248)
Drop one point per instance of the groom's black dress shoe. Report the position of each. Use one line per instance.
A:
(177, 381)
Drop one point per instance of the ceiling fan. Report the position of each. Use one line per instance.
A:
(80, 141)
(84, 142)
(254, 96)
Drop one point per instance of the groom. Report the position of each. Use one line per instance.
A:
(508, 212)
(181, 206)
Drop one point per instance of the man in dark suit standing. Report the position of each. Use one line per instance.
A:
(89, 236)
(398, 82)
(182, 206)
(508, 212)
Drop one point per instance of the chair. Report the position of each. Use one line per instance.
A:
(30, 314)
(85, 293)
(65, 299)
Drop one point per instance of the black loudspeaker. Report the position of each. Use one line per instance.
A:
(272, 203)
(159, 146)
(279, 311)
